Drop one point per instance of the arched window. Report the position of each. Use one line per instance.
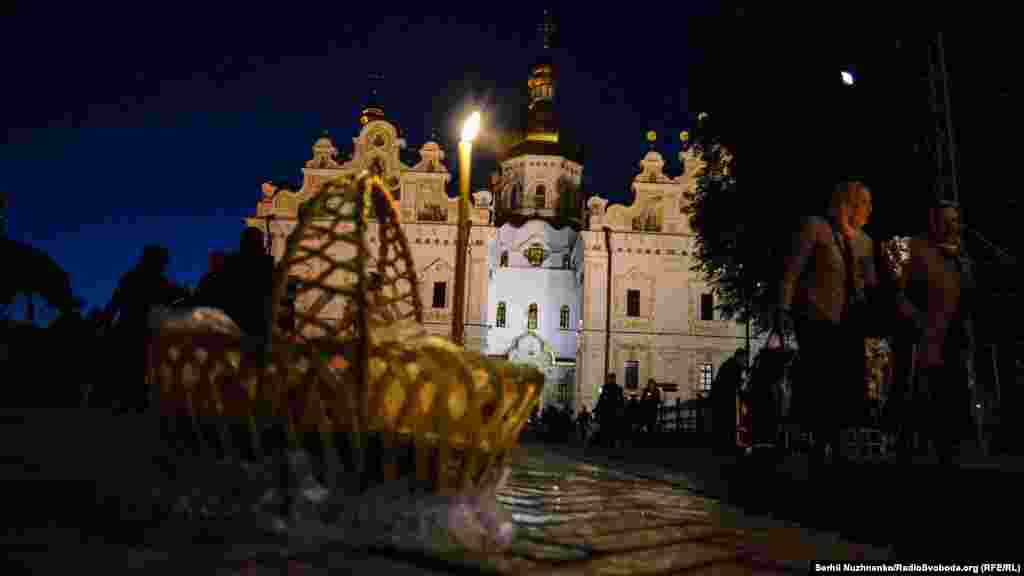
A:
(500, 320)
(531, 317)
(504, 258)
(563, 318)
(538, 198)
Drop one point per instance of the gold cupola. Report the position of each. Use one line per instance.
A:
(542, 121)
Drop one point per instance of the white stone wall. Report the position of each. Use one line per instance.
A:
(520, 287)
(668, 339)
(520, 283)
(531, 171)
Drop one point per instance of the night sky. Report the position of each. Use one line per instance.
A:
(129, 128)
(125, 128)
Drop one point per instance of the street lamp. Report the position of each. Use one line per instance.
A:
(470, 129)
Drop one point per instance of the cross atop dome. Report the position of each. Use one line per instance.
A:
(373, 110)
(547, 29)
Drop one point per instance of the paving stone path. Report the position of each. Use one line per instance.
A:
(578, 518)
(574, 518)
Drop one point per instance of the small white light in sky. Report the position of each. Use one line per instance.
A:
(847, 77)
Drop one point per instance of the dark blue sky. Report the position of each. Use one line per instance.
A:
(127, 128)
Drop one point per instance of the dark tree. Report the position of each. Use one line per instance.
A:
(737, 232)
(33, 273)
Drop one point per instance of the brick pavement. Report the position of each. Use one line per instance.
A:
(914, 511)
(580, 518)
(575, 518)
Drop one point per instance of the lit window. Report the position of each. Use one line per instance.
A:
(706, 376)
(531, 317)
(707, 307)
(632, 375)
(633, 303)
(535, 254)
(500, 321)
(440, 289)
(563, 318)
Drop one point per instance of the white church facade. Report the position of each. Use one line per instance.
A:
(537, 283)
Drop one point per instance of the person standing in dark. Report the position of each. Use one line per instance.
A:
(138, 292)
(634, 418)
(939, 287)
(584, 424)
(828, 281)
(724, 393)
(249, 279)
(212, 290)
(651, 403)
(609, 409)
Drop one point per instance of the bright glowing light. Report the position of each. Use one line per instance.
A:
(847, 77)
(471, 127)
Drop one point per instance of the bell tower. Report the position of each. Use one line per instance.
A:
(542, 122)
(539, 177)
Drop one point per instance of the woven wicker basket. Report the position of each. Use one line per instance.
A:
(390, 405)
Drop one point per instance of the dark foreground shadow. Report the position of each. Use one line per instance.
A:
(922, 511)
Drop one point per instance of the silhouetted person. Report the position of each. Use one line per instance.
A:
(213, 289)
(634, 417)
(940, 286)
(609, 409)
(651, 404)
(138, 292)
(724, 393)
(249, 277)
(584, 424)
(824, 290)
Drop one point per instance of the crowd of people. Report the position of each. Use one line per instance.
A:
(619, 418)
(836, 289)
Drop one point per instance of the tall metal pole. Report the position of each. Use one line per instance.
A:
(950, 137)
(608, 305)
(458, 318)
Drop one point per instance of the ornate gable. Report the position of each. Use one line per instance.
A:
(324, 155)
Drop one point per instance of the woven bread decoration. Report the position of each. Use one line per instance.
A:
(389, 400)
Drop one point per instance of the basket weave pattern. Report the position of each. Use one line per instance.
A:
(405, 406)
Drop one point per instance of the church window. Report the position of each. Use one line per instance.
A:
(432, 213)
(566, 260)
(504, 259)
(538, 198)
(563, 318)
(531, 317)
(564, 388)
(707, 306)
(440, 294)
(500, 320)
(706, 373)
(632, 375)
(633, 303)
(535, 254)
